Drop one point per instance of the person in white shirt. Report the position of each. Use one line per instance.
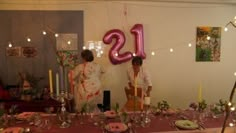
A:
(138, 77)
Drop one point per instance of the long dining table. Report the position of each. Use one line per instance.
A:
(159, 123)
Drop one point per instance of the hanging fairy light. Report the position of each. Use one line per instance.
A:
(68, 42)
(9, 45)
(84, 47)
(234, 73)
(44, 32)
(225, 29)
(56, 35)
(134, 54)
(152, 53)
(189, 45)
(171, 49)
(28, 39)
(98, 46)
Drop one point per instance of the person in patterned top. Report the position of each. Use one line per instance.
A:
(87, 76)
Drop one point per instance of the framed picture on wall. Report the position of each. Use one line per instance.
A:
(208, 43)
(13, 51)
(28, 52)
(67, 42)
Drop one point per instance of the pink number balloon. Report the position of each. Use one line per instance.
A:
(114, 55)
(137, 30)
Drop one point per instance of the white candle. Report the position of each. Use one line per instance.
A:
(147, 100)
(57, 84)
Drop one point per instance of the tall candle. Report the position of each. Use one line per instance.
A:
(61, 78)
(50, 80)
(57, 84)
(200, 93)
(135, 86)
(141, 105)
(71, 82)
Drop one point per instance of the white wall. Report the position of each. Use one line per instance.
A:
(176, 76)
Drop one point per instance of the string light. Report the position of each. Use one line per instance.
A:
(44, 32)
(229, 104)
(189, 45)
(28, 39)
(171, 49)
(56, 35)
(153, 53)
(68, 42)
(134, 54)
(84, 47)
(116, 54)
(226, 29)
(9, 45)
(234, 73)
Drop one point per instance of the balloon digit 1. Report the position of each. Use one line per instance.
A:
(137, 30)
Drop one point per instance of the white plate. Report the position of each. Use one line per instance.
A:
(186, 124)
(13, 130)
(116, 127)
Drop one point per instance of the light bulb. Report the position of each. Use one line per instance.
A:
(231, 124)
(56, 35)
(234, 17)
(28, 39)
(226, 29)
(101, 52)
(234, 73)
(229, 104)
(116, 54)
(44, 32)
(9, 45)
(68, 42)
(134, 54)
(153, 53)
(189, 45)
(84, 47)
(171, 49)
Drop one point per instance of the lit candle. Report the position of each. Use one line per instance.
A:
(57, 84)
(200, 93)
(50, 80)
(71, 82)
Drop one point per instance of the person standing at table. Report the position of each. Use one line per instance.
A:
(138, 77)
(87, 76)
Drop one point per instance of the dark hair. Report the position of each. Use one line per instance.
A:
(137, 60)
(87, 55)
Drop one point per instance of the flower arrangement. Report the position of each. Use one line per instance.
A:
(66, 58)
(200, 106)
(219, 107)
(163, 105)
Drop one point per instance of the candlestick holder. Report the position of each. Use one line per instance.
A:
(63, 114)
